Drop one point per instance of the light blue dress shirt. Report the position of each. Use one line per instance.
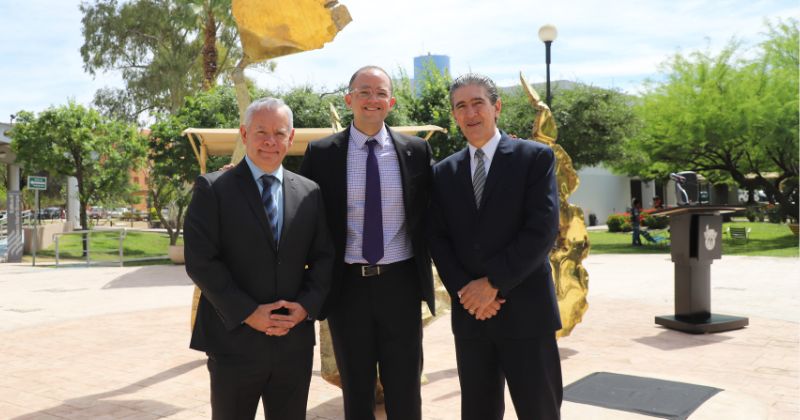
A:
(276, 189)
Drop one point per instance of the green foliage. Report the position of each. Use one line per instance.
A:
(158, 47)
(766, 239)
(654, 222)
(775, 214)
(724, 115)
(309, 108)
(593, 123)
(430, 106)
(517, 114)
(105, 246)
(619, 223)
(173, 163)
(72, 140)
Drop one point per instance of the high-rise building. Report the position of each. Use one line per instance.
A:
(440, 62)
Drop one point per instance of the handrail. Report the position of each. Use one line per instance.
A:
(88, 233)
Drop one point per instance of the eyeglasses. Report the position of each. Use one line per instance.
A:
(366, 93)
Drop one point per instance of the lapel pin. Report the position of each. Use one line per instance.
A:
(408, 152)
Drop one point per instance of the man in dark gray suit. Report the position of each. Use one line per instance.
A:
(257, 246)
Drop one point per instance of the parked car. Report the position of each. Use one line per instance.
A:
(98, 213)
(50, 213)
(118, 212)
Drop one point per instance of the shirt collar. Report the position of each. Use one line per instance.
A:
(257, 172)
(359, 139)
(489, 148)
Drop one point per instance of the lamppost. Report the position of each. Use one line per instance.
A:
(548, 34)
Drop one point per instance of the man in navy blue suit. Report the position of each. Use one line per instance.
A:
(494, 220)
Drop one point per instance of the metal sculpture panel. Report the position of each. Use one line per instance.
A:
(572, 244)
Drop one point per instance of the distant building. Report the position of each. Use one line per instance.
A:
(440, 62)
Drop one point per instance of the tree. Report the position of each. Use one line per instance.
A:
(593, 123)
(173, 163)
(71, 140)
(430, 104)
(165, 49)
(725, 116)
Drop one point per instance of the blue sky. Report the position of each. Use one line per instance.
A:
(609, 44)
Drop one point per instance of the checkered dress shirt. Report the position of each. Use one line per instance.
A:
(396, 242)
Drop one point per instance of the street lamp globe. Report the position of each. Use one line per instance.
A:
(548, 33)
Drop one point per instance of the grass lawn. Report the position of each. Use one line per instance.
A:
(766, 239)
(104, 246)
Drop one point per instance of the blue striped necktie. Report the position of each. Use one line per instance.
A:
(269, 204)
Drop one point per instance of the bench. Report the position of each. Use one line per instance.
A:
(738, 234)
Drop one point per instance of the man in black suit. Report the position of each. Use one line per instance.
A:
(376, 185)
(494, 219)
(257, 245)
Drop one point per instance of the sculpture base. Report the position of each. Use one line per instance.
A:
(715, 323)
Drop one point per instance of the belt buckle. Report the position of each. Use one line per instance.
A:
(370, 270)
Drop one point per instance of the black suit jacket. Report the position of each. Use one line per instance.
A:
(325, 162)
(232, 257)
(508, 239)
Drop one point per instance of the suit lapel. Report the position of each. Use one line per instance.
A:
(464, 177)
(338, 169)
(249, 191)
(404, 155)
(501, 164)
(290, 202)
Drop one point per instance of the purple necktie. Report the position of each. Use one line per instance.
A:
(372, 244)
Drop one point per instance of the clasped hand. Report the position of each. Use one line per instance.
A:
(480, 299)
(263, 319)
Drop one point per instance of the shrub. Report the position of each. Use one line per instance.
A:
(774, 214)
(615, 222)
(655, 222)
(751, 214)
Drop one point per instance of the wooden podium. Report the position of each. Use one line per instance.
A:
(696, 241)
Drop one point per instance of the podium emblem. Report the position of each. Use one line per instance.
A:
(711, 238)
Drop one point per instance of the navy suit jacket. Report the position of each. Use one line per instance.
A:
(508, 239)
(325, 162)
(232, 257)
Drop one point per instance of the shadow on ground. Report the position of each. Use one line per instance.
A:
(674, 340)
(152, 276)
(103, 405)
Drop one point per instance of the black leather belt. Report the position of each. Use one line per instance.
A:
(366, 270)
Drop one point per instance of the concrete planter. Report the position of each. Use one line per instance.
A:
(175, 253)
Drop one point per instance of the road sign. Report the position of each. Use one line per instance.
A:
(37, 183)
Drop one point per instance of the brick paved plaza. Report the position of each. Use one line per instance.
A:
(94, 343)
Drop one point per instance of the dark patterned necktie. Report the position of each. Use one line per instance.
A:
(269, 204)
(372, 244)
(479, 177)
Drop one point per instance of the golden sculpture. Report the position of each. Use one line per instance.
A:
(572, 244)
(274, 28)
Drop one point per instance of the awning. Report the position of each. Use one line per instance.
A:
(222, 141)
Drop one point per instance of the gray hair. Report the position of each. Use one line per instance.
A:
(478, 80)
(271, 104)
(367, 68)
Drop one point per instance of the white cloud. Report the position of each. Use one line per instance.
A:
(604, 43)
